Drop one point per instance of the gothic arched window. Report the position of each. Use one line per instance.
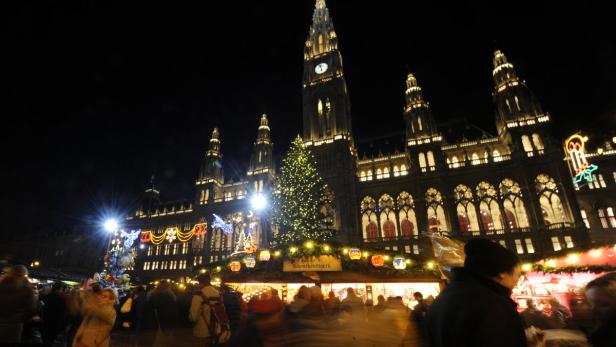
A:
(465, 208)
(454, 162)
(537, 141)
(431, 162)
(369, 219)
(387, 216)
(475, 159)
(528, 147)
(513, 205)
(496, 155)
(436, 213)
(549, 200)
(488, 207)
(422, 160)
(406, 215)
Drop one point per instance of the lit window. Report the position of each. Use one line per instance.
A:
(362, 176)
(475, 159)
(556, 244)
(496, 155)
(614, 173)
(379, 174)
(431, 162)
(422, 160)
(537, 142)
(518, 246)
(610, 215)
(396, 171)
(503, 243)
(528, 147)
(386, 172)
(419, 123)
(517, 102)
(603, 218)
(601, 181)
(454, 162)
(403, 171)
(407, 249)
(149, 251)
(185, 248)
(568, 241)
(585, 219)
(369, 175)
(529, 246)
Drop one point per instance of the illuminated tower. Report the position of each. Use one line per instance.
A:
(327, 118)
(422, 137)
(520, 120)
(261, 170)
(211, 177)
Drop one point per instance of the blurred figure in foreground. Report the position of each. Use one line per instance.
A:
(476, 308)
(54, 314)
(534, 317)
(17, 303)
(99, 317)
(601, 294)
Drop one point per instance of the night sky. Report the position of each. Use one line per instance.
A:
(103, 95)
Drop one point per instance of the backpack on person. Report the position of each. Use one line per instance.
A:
(218, 324)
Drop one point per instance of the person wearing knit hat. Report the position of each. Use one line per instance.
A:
(476, 308)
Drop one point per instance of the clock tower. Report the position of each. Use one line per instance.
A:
(327, 119)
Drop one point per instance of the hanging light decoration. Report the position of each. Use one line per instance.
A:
(377, 260)
(264, 255)
(399, 263)
(235, 266)
(354, 253)
(250, 262)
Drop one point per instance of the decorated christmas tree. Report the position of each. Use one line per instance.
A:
(297, 198)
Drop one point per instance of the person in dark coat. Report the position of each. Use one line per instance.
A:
(160, 316)
(17, 303)
(54, 314)
(601, 294)
(476, 309)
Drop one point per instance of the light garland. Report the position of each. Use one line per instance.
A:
(394, 265)
(171, 233)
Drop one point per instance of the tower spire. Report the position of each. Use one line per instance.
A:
(212, 165)
(418, 116)
(261, 160)
(515, 103)
(321, 37)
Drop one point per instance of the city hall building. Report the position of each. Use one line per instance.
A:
(512, 187)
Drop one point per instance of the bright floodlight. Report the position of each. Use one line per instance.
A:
(111, 225)
(258, 202)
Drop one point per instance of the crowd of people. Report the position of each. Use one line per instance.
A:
(475, 309)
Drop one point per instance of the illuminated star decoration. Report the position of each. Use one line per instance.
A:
(171, 234)
(220, 223)
(129, 238)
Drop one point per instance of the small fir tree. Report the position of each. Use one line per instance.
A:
(297, 198)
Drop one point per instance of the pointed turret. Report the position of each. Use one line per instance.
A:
(321, 37)
(327, 110)
(515, 103)
(211, 175)
(417, 114)
(261, 160)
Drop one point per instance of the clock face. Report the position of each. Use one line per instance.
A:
(320, 68)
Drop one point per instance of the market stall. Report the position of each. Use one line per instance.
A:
(563, 278)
